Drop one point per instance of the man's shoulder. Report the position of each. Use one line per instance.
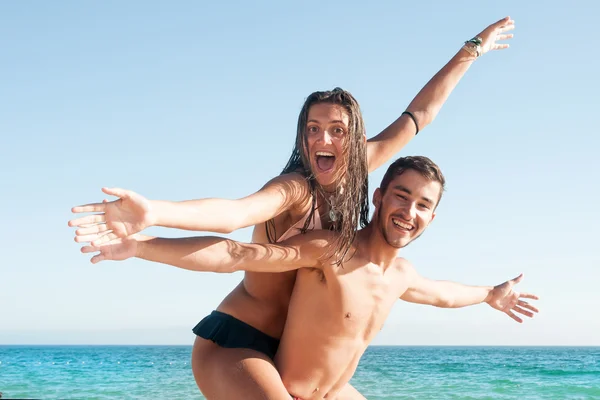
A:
(403, 265)
(402, 262)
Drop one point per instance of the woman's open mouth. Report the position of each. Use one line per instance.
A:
(325, 161)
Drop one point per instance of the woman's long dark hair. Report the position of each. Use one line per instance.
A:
(351, 200)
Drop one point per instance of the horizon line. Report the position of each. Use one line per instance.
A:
(374, 345)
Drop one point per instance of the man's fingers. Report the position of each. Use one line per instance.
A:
(529, 296)
(90, 238)
(93, 229)
(112, 241)
(528, 306)
(87, 220)
(513, 316)
(97, 258)
(89, 249)
(109, 237)
(523, 311)
(93, 249)
(500, 46)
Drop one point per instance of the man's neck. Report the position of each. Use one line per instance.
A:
(375, 247)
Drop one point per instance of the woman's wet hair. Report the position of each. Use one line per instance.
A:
(351, 198)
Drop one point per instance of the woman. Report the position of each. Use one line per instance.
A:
(324, 185)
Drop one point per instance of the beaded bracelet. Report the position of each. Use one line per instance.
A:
(473, 46)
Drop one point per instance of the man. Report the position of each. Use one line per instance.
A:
(337, 309)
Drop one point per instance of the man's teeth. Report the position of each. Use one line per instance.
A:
(324, 153)
(402, 225)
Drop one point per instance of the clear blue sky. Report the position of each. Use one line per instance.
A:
(194, 99)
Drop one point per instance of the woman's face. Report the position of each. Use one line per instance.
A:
(326, 133)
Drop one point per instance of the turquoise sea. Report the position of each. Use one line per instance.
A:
(143, 372)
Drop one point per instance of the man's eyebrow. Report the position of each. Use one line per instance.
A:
(402, 189)
(427, 200)
(406, 190)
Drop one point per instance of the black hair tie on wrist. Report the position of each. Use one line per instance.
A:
(413, 118)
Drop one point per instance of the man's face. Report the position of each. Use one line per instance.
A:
(326, 131)
(406, 208)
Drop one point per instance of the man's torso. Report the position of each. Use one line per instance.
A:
(333, 316)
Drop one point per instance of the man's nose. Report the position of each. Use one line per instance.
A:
(409, 211)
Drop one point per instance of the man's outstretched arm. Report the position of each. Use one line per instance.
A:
(216, 254)
(448, 294)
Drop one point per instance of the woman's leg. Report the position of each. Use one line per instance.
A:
(229, 374)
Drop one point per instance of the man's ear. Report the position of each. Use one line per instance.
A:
(377, 198)
(432, 218)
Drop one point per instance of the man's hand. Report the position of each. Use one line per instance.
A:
(504, 298)
(128, 215)
(117, 250)
(496, 32)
